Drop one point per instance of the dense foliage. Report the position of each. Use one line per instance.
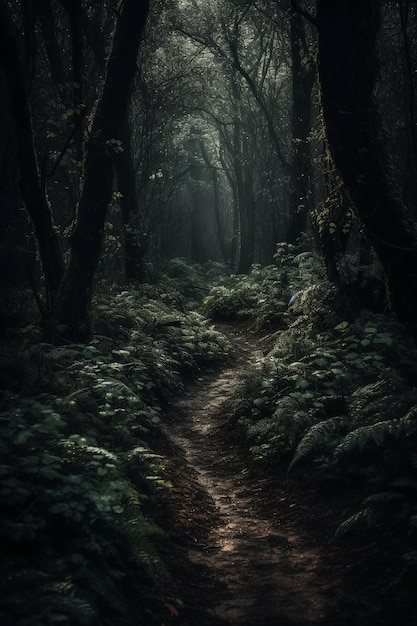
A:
(263, 295)
(210, 131)
(79, 465)
(334, 392)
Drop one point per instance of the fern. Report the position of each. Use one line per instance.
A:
(261, 428)
(320, 438)
(365, 437)
(386, 508)
(406, 485)
(54, 608)
(144, 549)
(384, 498)
(356, 521)
(69, 487)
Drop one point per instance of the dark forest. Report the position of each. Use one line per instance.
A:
(208, 322)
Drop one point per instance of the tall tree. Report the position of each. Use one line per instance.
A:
(347, 62)
(303, 76)
(69, 289)
(249, 114)
(103, 139)
(32, 192)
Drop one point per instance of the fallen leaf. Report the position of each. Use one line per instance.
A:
(172, 609)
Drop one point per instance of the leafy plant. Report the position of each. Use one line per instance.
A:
(264, 294)
(78, 467)
(337, 396)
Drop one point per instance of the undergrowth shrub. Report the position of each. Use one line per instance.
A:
(187, 279)
(311, 372)
(78, 466)
(263, 295)
(338, 395)
(180, 283)
(63, 556)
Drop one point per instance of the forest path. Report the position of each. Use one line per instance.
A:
(248, 558)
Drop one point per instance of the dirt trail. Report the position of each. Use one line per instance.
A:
(254, 566)
(252, 550)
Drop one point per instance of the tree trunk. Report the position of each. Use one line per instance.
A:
(216, 201)
(33, 195)
(302, 85)
(347, 70)
(46, 17)
(102, 141)
(126, 185)
(410, 100)
(232, 245)
(197, 244)
(245, 237)
(74, 13)
(247, 204)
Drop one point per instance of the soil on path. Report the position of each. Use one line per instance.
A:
(255, 551)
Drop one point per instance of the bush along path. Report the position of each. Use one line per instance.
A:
(259, 547)
(79, 462)
(171, 473)
(252, 571)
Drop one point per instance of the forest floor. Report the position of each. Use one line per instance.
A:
(254, 550)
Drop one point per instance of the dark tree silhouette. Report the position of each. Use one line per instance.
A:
(103, 137)
(347, 64)
(32, 192)
(303, 76)
(69, 289)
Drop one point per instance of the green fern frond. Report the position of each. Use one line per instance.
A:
(384, 498)
(405, 484)
(75, 396)
(320, 437)
(139, 532)
(409, 422)
(261, 427)
(366, 436)
(100, 453)
(355, 522)
(113, 387)
(54, 609)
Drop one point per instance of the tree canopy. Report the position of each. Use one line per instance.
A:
(235, 126)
